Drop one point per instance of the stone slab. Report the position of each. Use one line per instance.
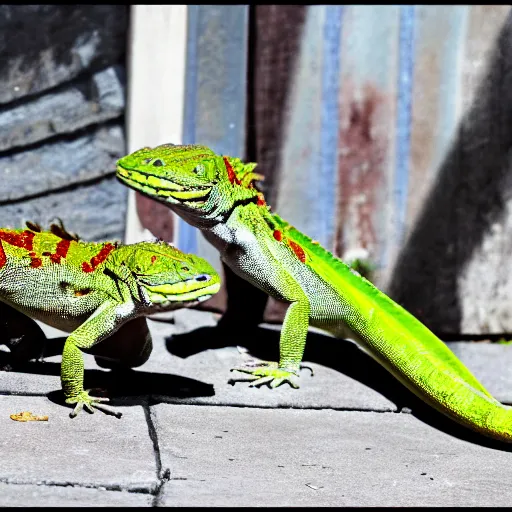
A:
(12, 495)
(96, 211)
(61, 163)
(94, 450)
(46, 45)
(226, 456)
(94, 99)
(213, 354)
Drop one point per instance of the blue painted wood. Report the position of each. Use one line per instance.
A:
(403, 130)
(329, 124)
(301, 191)
(215, 92)
(367, 126)
(436, 97)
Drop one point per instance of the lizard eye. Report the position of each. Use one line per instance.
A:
(198, 169)
(158, 163)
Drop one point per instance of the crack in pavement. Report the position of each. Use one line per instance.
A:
(163, 475)
(56, 483)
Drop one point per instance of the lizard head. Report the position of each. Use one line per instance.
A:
(190, 178)
(170, 278)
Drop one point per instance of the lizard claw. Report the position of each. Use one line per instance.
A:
(304, 367)
(258, 363)
(83, 399)
(267, 373)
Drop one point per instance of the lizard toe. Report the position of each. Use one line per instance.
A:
(90, 403)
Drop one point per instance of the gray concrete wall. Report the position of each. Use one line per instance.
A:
(62, 102)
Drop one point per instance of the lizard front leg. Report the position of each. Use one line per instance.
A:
(97, 327)
(291, 347)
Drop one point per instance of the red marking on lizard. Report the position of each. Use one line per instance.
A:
(36, 262)
(153, 259)
(99, 258)
(231, 173)
(261, 200)
(23, 239)
(278, 235)
(61, 251)
(298, 250)
(3, 258)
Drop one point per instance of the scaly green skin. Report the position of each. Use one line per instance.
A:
(92, 289)
(216, 194)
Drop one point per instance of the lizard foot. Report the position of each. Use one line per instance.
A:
(83, 399)
(259, 363)
(266, 372)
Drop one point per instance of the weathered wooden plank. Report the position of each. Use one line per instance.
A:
(299, 184)
(484, 263)
(440, 33)
(215, 93)
(303, 186)
(367, 131)
(156, 71)
(215, 102)
(468, 199)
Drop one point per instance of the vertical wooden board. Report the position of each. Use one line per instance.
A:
(306, 180)
(299, 186)
(484, 281)
(447, 273)
(439, 40)
(156, 71)
(484, 25)
(369, 60)
(330, 124)
(306, 191)
(423, 277)
(215, 101)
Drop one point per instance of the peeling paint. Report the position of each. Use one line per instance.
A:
(361, 163)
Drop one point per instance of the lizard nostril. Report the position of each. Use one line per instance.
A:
(203, 277)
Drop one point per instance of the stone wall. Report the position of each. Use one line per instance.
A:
(62, 102)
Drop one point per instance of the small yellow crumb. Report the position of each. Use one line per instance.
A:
(27, 416)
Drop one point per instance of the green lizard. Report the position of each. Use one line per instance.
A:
(217, 194)
(91, 289)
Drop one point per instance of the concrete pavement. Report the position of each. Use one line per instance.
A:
(351, 435)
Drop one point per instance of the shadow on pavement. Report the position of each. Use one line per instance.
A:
(120, 384)
(340, 355)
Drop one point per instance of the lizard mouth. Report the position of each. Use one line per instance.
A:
(162, 188)
(167, 301)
